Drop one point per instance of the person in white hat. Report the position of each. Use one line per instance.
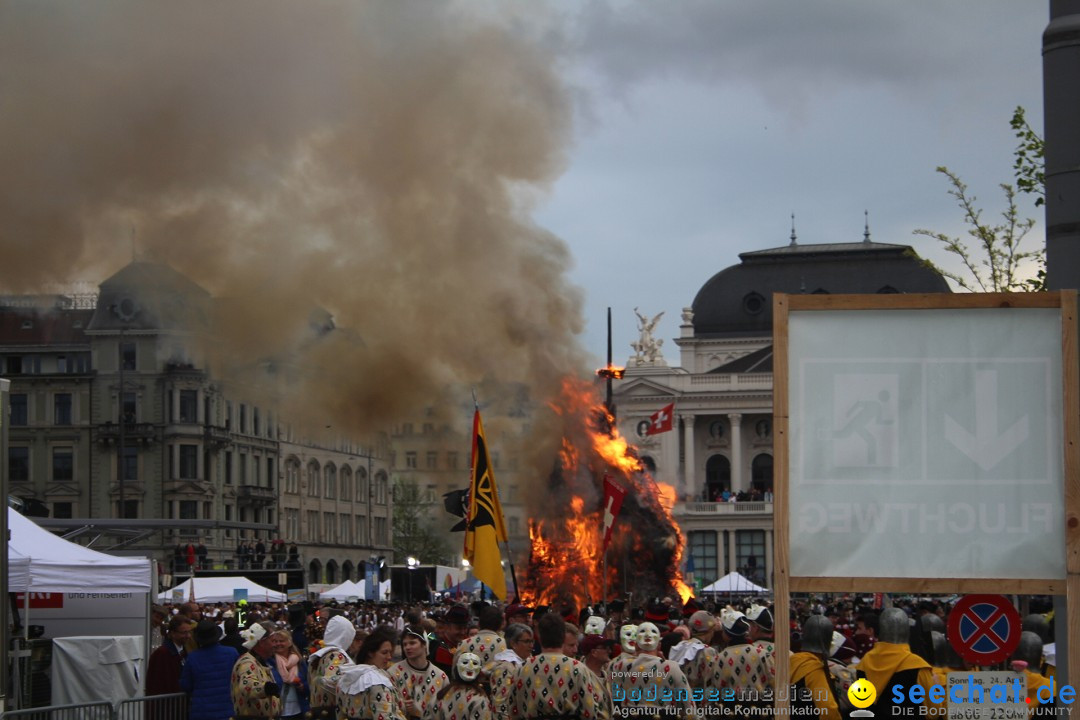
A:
(744, 667)
(652, 686)
(255, 695)
(326, 663)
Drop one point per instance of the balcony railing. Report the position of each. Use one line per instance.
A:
(256, 494)
(217, 436)
(134, 433)
(724, 508)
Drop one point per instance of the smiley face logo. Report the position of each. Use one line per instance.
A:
(862, 693)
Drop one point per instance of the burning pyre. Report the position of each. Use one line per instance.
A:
(566, 557)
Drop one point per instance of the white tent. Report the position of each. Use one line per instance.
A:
(220, 589)
(733, 582)
(344, 591)
(42, 562)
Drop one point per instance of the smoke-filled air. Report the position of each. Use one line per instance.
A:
(378, 160)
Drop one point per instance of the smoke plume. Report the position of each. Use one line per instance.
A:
(375, 159)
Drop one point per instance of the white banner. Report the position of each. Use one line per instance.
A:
(926, 443)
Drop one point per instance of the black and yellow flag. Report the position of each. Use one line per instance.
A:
(485, 527)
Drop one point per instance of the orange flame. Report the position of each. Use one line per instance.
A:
(567, 551)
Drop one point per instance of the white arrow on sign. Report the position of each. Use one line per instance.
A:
(986, 447)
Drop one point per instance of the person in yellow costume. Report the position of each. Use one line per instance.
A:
(808, 668)
(1030, 651)
(891, 663)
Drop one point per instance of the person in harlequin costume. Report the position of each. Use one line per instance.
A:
(487, 643)
(327, 663)
(743, 668)
(255, 695)
(504, 666)
(809, 669)
(365, 690)
(762, 644)
(416, 677)
(698, 660)
(628, 645)
(651, 685)
(466, 697)
(552, 684)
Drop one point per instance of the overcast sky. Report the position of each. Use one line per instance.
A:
(702, 125)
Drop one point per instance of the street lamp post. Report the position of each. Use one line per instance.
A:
(413, 563)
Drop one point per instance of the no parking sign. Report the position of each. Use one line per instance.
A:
(984, 629)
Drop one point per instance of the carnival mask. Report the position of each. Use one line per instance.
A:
(468, 666)
(648, 637)
(594, 625)
(628, 638)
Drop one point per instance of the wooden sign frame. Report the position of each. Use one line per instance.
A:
(784, 584)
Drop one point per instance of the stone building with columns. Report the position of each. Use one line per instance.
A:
(719, 454)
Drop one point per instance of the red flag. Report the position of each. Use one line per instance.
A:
(662, 420)
(613, 497)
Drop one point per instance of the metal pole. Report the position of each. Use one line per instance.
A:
(120, 470)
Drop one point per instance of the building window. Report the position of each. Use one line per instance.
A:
(429, 494)
(380, 488)
(14, 365)
(127, 509)
(346, 483)
(243, 418)
(750, 555)
(292, 524)
(313, 479)
(189, 510)
(61, 510)
(410, 459)
(495, 460)
(451, 461)
(62, 409)
(432, 460)
(703, 551)
(292, 476)
(127, 408)
(228, 468)
(330, 487)
(717, 478)
(243, 469)
(312, 529)
(270, 476)
(131, 463)
(380, 530)
(63, 462)
(61, 364)
(18, 409)
(329, 536)
(514, 526)
(345, 530)
(361, 485)
(189, 462)
(429, 428)
(255, 421)
(127, 356)
(18, 464)
(407, 429)
(189, 400)
(761, 474)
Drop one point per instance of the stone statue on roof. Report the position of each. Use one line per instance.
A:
(647, 348)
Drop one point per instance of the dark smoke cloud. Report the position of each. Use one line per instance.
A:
(376, 159)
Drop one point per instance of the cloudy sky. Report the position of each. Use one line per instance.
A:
(702, 125)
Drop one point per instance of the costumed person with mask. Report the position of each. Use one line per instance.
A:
(504, 666)
(891, 662)
(417, 678)
(652, 685)
(743, 667)
(697, 659)
(466, 697)
(1040, 625)
(255, 695)
(810, 674)
(327, 663)
(552, 684)
(487, 643)
(762, 644)
(627, 651)
(365, 690)
(1028, 655)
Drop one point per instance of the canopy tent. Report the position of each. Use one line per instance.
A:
(42, 562)
(221, 589)
(344, 591)
(733, 582)
(469, 585)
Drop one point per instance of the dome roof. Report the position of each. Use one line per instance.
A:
(738, 300)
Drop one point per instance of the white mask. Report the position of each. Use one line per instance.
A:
(468, 666)
(628, 638)
(594, 625)
(648, 637)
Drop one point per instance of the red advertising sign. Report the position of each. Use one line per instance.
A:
(40, 600)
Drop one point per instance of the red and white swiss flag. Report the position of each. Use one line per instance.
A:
(662, 420)
(613, 497)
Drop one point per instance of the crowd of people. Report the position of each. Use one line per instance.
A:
(494, 662)
(255, 555)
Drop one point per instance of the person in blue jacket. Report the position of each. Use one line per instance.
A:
(207, 674)
(291, 674)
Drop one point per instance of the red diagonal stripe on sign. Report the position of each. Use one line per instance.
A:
(985, 628)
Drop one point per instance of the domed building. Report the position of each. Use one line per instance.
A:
(718, 458)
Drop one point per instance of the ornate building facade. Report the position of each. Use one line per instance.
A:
(719, 455)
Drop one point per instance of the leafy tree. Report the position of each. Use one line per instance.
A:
(413, 532)
(997, 261)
